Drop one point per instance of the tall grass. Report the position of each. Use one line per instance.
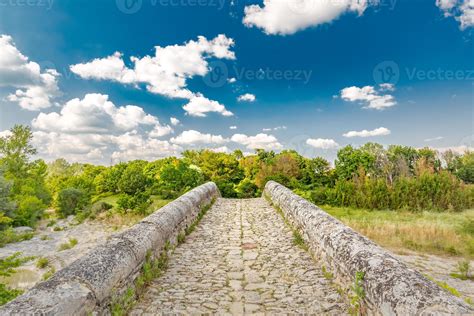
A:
(429, 191)
(443, 233)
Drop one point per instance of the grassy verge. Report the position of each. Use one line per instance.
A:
(116, 218)
(443, 233)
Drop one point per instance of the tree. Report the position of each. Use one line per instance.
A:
(466, 170)
(133, 180)
(177, 178)
(16, 150)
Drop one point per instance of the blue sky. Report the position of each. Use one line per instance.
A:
(312, 76)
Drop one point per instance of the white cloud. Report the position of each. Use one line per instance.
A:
(259, 141)
(461, 10)
(93, 129)
(193, 137)
(200, 105)
(94, 114)
(160, 131)
(248, 97)
(278, 128)
(35, 88)
(284, 17)
(132, 146)
(457, 149)
(223, 149)
(231, 80)
(166, 73)
(5, 133)
(322, 143)
(434, 139)
(174, 121)
(381, 131)
(370, 96)
(233, 127)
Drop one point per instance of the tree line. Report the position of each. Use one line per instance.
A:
(372, 177)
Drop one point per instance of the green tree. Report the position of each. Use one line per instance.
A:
(133, 180)
(178, 178)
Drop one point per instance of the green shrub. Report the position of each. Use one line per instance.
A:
(42, 263)
(69, 245)
(28, 211)
(9, 236)
(71, 200)
(247, 189)
(7, 294)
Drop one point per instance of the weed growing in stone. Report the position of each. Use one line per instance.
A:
(42, 263)
(463, 271)
(327, 274)
(49, 274)
(358, 293)
(71, 244)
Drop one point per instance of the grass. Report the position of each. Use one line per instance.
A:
(117, 219)
(8, 236)
(443, 233)
(49, 273)
(69, 245)
(42, 263)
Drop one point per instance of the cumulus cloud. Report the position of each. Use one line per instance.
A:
(282, 17)
(370, 96)
(322, 143)
(248, 97)
(233, 127)
(94, 129)
(199, 106)
(174, 121)
(94, 114)
(222, 149)
(35, 88)
(232, 80)
(461, 10)
(259, 141)
(381, 131)
(166, 73)
(193, 137)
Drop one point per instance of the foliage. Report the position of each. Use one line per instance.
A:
(8, 264)
(8, 235)
(7, 294)
(176, 178)
(440, 233)
(68, 245)
(70, 200)
(42, 263)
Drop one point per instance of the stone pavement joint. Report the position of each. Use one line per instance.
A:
(241, 259)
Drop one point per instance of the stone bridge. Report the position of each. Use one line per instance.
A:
(278, 254)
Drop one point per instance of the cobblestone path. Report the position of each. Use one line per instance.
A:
(241, 259)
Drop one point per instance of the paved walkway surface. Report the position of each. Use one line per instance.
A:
(241, 259)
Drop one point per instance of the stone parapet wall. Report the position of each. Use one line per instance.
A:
(88, 284)
(391, 287)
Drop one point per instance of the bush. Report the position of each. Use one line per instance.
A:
(29, 210)
(7, 294)
(139, 202)
(70, 201)
(9, 236)
(247, 189)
